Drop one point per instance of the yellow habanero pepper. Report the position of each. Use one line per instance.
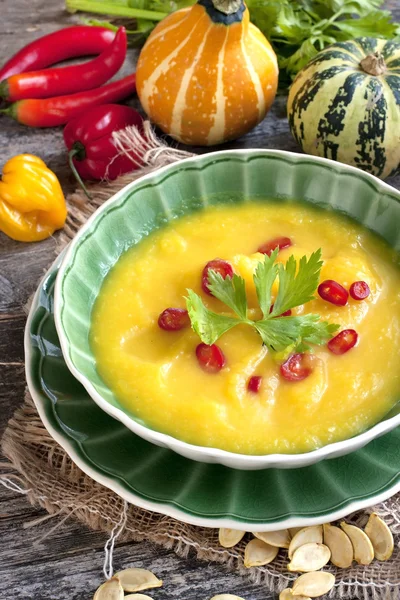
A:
(32, 204)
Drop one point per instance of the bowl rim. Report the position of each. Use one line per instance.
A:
(214, 454)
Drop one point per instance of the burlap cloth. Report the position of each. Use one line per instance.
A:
(42, 470)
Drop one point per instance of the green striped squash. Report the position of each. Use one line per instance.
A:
(345, 105)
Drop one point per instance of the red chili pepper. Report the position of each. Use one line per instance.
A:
(67, 80)
(81, 40)
(93, 155)
(50, 112)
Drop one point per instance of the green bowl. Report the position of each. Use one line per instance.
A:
(191, 185)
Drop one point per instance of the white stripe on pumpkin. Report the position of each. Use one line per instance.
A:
(255, 79)
(149, 86)
(269, 52)
(217, 131)
(180, 102)
(165, 30)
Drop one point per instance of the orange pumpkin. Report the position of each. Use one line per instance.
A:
(206, 74)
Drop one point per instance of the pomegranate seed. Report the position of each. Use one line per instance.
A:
(279, 242)
(220, 266)
(333, 292)
(173, 319)
(254, 383)
(211, 358)
(359, 290)
(287, 313)
(343, 341)
(297, 367)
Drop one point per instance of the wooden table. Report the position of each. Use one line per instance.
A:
(68, 564)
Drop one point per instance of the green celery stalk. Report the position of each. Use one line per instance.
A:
(114, 9)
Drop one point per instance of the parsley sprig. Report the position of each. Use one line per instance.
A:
(297, 285)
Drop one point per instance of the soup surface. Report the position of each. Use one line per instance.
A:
(155, 373)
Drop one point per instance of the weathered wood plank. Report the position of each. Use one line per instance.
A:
(11, 340)
(76, 577)
(21, 267)
(67, 565)
(12, 385)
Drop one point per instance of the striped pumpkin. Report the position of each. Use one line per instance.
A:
(206, 74)
(345, 105)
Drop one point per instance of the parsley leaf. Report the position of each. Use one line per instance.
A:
(375, 24)
(265, 274)
(356, 7)
(278, 334)
(231, 291)
(208, 325)
(297, 289)
(300, 331)
(300, 58)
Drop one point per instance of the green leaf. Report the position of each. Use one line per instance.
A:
(208, 325)
(292, 25)
(352, 7)
(264, 13)
(315, 331)
(295, 290)
(375, 24)
(278, 334)
(264, 277)
(281, 332)
(231, 291)
(300, 58)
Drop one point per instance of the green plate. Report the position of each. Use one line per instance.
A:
(160, 480)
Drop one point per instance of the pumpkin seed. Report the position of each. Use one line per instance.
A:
(137, 597)
(294, 530)
(381, 537)
(313, 584)
(280, 539)
(339, 544)
(110, 590)
(135, 580)
(257, 553)
(230, 537)
(363, 549)
(287, 594)
(309, 557)
(226, 597)
(305, 536)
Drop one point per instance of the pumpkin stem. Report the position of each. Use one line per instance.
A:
(228, 7)
(373, 64)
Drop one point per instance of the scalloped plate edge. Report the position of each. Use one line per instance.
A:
(159, 507)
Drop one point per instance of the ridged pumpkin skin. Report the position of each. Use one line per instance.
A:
(205, 82)
(338, 110)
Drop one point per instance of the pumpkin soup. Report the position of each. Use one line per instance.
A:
(208, 331)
